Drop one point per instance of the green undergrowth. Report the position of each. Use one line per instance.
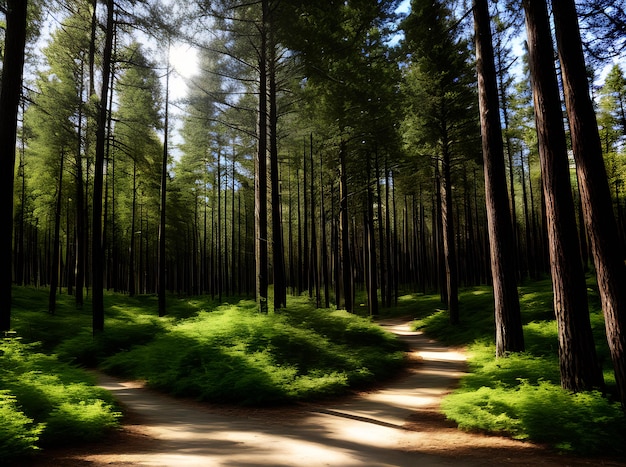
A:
(520, 395)
(223, 352)
(234, 354)
(46, 402)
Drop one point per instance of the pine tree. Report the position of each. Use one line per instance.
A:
(508, 319)
(577, 353)
(440, 115)
(10, 92)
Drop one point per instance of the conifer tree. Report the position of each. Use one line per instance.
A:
(10, 92)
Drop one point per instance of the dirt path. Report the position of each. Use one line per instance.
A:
(398, 425)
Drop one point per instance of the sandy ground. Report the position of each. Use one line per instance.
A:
(395, 425)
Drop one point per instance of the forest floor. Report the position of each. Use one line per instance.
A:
(397, 424)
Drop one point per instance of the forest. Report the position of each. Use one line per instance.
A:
(351, 152)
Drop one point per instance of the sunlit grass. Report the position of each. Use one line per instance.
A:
(47, 402)
(224, 352)
(520, 395)
(235, 354)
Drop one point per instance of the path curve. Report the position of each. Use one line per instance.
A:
(398, 425)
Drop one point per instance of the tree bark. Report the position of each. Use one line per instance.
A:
(314, 272)
(325, 279)
(97, 260)
(346, 256)
(594, 188)
(81, 210)
(278, 253)
(577, 353)
(508, 319)
(55, 266)
(163, 201)
(260, 179)
(10, 92)
(131, 246)
(449, 250)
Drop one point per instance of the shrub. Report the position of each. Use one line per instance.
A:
(237, 355)
(56, 401)
(18, 433)
(586, 423)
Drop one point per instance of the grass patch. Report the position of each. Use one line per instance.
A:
(520, 395)
(236, 355)
(47, 402)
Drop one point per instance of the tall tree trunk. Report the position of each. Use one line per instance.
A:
(508, 318)
(344, 231)
(260, 179)
(577, 353)
(369, 249)
(449, 250)
(305, 211)
(131, 246)
(437, 231)
(10, 92)
(233, 237)
(218, 232)
(300, 253)
(336, 259)
(20, 273)
(278, 249)
(55, 266)
(81, 214)
(226, 280)
(314, 276)
(530, 257)
(162, 271)
(396, 244)
(324, 245)
(97, 260)
(381, 236)
(594, 189)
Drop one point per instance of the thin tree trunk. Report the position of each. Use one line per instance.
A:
(314, 276)
(81, 216)
(305, 250)
(233, 237)
(278, 248)
(530, 257)
(54, 271)
(344, 231)
(97, 261)
(20, 273)
(225, 256)
(369, 244)
(300, 252)
(381, 236)
(324, 246)
(260, 179)
(449, 250)
(218, 232)
(163, 202)
(131, 246)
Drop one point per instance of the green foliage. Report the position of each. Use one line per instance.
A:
(88, 350)
(520, 395)
(586, 423)
(237, 355)
(46, 401)
(477, 322)
(18, 433)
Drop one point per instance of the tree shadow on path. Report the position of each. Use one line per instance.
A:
(395, 425)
